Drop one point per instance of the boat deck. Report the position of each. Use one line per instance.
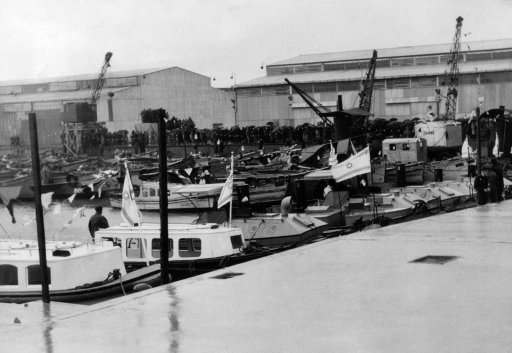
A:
(358, 293)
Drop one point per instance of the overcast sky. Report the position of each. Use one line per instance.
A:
(61, 37)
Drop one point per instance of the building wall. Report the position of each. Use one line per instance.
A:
(399, 103)
(180, 92)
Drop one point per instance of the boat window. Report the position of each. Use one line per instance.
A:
(405, 147)
(392, 147)
(134, 248)
(155, 248)
(34, 274)
(8, 275)
(236, 241)
(152, 192)
(144, 193)
(189, 247)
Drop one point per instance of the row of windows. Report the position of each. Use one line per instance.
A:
(67, 86)
(412, 82)
(187, 247)
(393, 62)
(9, 275)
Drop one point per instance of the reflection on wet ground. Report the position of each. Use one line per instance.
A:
(173, 319)
(47, 328)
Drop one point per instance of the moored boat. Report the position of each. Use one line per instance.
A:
(76, 271)
(193, 248)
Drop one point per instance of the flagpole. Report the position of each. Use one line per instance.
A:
(231, 202)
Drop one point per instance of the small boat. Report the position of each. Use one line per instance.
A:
(277, 229)
(76, 271)
(193, 248)
(447, 195)
(378, 208)
(181, 197)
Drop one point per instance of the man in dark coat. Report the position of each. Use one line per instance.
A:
(97, 221)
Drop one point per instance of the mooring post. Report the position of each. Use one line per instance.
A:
(36, 175)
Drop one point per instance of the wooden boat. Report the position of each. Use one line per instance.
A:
(193, 248)
(447, 195)
(77, 271)
(181, 197)
(276, 229)
(378, 208)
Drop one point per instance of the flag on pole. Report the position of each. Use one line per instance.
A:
(46, 199)
(71, 198)
(466, 150)
(495, 150)
(129, 210)
(8, 195)
(355, 165)
(226, 194)
(333, 157)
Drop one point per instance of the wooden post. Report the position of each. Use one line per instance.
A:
(164, 227)
(478, 143)
(36, 174)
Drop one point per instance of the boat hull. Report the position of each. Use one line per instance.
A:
(181, 269)
(149, 276)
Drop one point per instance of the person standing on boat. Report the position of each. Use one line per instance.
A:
(97, 222)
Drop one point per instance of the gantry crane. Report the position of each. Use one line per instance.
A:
(101, 78)
(453, 74)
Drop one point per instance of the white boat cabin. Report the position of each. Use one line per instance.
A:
(187, 242)
(150, 190)
(70, 264)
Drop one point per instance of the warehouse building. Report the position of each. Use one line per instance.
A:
(125, 94)
(406, 78)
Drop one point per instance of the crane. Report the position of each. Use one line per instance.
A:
(453, 74)
(365, 96)
(343, 118)
(320, 110)
(101, 78)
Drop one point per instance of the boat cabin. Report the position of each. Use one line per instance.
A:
(405, 150)
(70, 264)
(187, 242)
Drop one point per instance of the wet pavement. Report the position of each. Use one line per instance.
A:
(359, 293)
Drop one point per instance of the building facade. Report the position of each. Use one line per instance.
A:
(405, 82)
(125, 94)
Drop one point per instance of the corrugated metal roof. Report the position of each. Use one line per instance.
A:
(396, 52)
(83, 77)
(380, 73)
(53, 96)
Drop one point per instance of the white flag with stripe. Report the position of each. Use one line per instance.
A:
(355, 165)
(129, 210)
(226, 194)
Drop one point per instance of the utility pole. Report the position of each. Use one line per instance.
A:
(159, 116)
(164, 204)
(36, 175)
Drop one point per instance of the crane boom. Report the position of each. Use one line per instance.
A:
(453, 74)
(365, 96)
(316, 106)
(101, 78)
